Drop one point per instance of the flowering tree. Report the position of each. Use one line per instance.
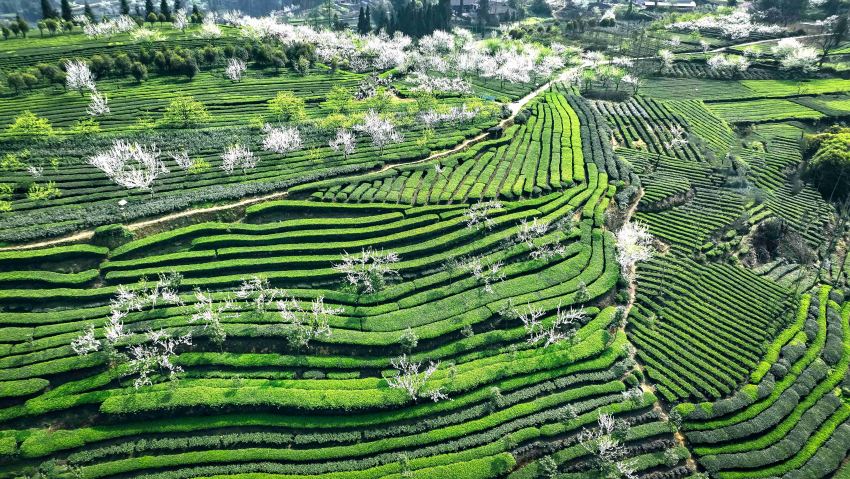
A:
(344, 142)
(78, 76)
(130, 165)
(235, 68)
(180, 20)
(156, 355)
(306, 325)
(478, 215)
(368, 273)
(728, 65)
(182, 159)
(258, 293)
(209, 29)
(238, 156)
(634, 244)
(144, 359)
(99, 104)
(678, 137)
(86, 343)
(282, 140)
(432, 84)
(793, 55)
(736, 25)
(210, 314)
(531, 231)
(486, 273)
(563, 327)
(604, 446)
(667, 58)
(413, 382)
(382, 131)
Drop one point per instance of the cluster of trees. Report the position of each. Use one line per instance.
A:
(168, 60)
(829, 167)
(150, 12)
(416, 20)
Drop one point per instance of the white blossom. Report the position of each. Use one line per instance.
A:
(180, 19)
(237, 156)
(736, 25)
(99, 104)
(258, 293)
(156, 355)
(304, 326)
(182, 159)
(634, 244)
(146, 35)
(793, 55)
(107, 28)
(209, 29)
(368, 272)
(235, 68)
(344, 142)
(412, 381)
(78, 76)
(667, 58)
(130, 165)
(86, 343)
(35, 171)
(282, 140)
(563, 326)
(487, 273)
(478, 215)
(382, 131)
(432, 84)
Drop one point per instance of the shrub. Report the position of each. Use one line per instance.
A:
(111, 236)
(185, 112)
(30, 125)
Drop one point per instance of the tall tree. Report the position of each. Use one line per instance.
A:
(361, 17)
(125, 7)
(47, 10)
(87, 11)
(835, 31)
(368, 22)
(149, 8)
(165, 9)
(23, 26)
(178, 5)
(67, 13)
(483, 13)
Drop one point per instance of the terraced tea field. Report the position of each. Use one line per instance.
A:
(320, 254)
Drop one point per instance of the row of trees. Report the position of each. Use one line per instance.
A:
(66, 12)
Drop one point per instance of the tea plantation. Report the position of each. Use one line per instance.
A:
(576, 245)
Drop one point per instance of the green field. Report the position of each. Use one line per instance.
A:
(266, 248)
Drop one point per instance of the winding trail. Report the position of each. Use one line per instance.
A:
(515, 107)
(644, 385)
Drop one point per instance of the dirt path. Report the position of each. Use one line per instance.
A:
(515, 107)
(645, 386)
(86, 235)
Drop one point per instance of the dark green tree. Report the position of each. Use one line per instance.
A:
(368, 21)
(47, 10)
(23, 26)
(87, 11)
(149, 8)
(483, 13)
(125, 7)
(164, 9)
(178, 5)
(361, 19)
(67, 13)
